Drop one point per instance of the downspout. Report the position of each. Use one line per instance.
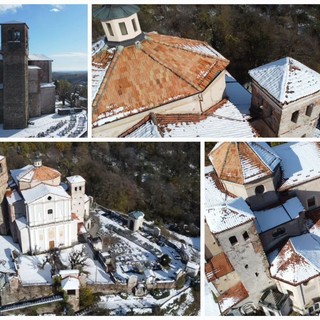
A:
(200, 97)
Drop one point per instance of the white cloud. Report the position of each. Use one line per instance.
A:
(70, 54)
(56, 8)
(4, 8)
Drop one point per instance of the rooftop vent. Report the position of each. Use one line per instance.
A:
(138, 44)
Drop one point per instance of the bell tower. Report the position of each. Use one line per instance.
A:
(14, 42)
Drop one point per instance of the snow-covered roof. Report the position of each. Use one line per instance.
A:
(222, 120)
(30, 173)
(235, 213)
(152, 76)
(298, 260)
(213, 196)
(69, 272)
(13, 196)
(271, 218)
(243, 162)
(136, 214)
(149, 273)
(70, 283)
(287, 79)
(75, 179)
(232, 296)
(192, 265)
(38, 57)
(41, 190)
(238, 95)
(300, 162)
(7, 245)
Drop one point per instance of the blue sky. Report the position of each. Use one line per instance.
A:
(57, 31)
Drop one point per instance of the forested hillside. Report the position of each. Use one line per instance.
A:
(160, 179)
(247, 35)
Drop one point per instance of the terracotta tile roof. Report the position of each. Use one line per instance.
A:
(218, 266)
(221, 120)
(163, 70)
(45, 173)
(232, 296)
(243, 162)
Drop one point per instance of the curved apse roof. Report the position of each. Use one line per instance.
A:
(161, 70)
(243, 162)
(110, 12)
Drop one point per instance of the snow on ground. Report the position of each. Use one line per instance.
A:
(30, 271)
(71, 125)
(131, 253)
(6, 247)
(211, 306)
(140, 305)
(95, 271)
(192, 241)
(178, 309)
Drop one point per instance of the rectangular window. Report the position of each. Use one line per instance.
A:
(309, 109)
(79, 188)
(50, 211)
(75, 188)
(134, 25)
(110, 29)
(311, 202)
(233, 240)
(123, 28)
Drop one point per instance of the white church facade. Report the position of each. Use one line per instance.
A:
(42, 215)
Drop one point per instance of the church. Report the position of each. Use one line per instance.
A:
(41, 214)
(262, 223)
(154, 85)
(26, 87)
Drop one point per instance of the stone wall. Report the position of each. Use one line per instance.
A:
(47, 99)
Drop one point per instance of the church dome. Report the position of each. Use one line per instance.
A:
(243, 162)
(111, 12)
(154, 72)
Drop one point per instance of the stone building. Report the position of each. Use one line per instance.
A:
(26, 88)
(288, 227)
(40, 211)
(135, 220)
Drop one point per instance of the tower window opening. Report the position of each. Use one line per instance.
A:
(295, 116)
(134, 25)
(123, 28)
(110, 29)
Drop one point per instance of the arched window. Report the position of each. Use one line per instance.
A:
(17, 35)
(259, 189)
(295, 116)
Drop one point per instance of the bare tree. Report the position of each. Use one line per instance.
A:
(78, 258)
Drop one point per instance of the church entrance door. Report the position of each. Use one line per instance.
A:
(51, 244)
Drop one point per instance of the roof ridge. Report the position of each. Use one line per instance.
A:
(285, 77)
(262, 160)
(190, 50)
(168, 68)
(98, 97)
